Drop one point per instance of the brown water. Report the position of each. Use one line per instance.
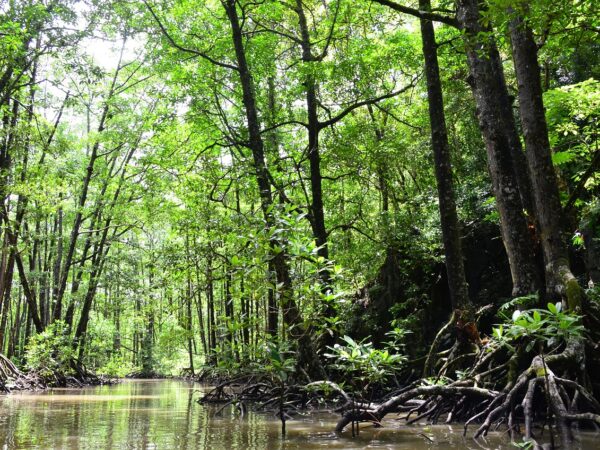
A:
(163, 414)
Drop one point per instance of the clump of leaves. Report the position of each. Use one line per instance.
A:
(51, 352)
(118, 366)
(364, 363)
(280, 360)
(535, 327)
(517, 303)
(593, 294)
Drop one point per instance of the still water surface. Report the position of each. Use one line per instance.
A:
(164, 414)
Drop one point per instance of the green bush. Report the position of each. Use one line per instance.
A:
(117, 366)
(51, 352)
(547, 327)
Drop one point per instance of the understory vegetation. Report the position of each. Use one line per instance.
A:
(378, 206)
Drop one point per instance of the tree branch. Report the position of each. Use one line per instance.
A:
(185, 49)
(420, 14)
(371, 101)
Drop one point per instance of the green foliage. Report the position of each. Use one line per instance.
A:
(364, 363)
(118, 366)
(593, 294)
(573, 115)
(280, 360)
(51, 353)
(518, 303)
(187, 248)
(525, 445)
(534, 327)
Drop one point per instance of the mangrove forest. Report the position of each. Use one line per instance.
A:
(299, 223)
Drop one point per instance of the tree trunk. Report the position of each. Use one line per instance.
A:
(317, 213)
(210, 311)
(457, 283)
(306, 355)
(489, 91)
(203, 329)
(559, 278)
(189, 324)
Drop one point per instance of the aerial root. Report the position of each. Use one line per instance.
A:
(568, 401)
(436, 342)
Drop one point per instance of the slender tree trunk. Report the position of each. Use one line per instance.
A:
(273, 142)
(60, 291)
(317, 211)
(6, 310)
(99, 257)
(57, 264)
(29, 295)
(210, 311)
(272, 305)
(229, 313)
(203, 329)
(20, 317)
(443, 172)
(148, 338)
(189, 325)
(306, 354)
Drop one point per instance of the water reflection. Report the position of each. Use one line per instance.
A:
(164, 415)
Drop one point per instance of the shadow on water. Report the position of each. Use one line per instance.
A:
(163, 414)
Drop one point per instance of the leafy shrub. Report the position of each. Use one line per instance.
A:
(548, 327)
(117, 366)
(51, 353)
(363, 362)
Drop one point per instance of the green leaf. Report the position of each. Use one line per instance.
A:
(559, 158)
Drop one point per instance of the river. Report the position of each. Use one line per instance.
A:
(164, 414)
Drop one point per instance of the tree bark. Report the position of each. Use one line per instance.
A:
(559, 278)
(489, 90)
(443, 170)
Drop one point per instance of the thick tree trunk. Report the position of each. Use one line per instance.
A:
(559, 278)
(514, 140)
(489, 91)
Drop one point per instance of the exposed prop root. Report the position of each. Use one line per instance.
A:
(380, 411)
(436, 343)
(477, 399)
(11, 378)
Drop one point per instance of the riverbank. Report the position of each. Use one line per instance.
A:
(14, 379)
